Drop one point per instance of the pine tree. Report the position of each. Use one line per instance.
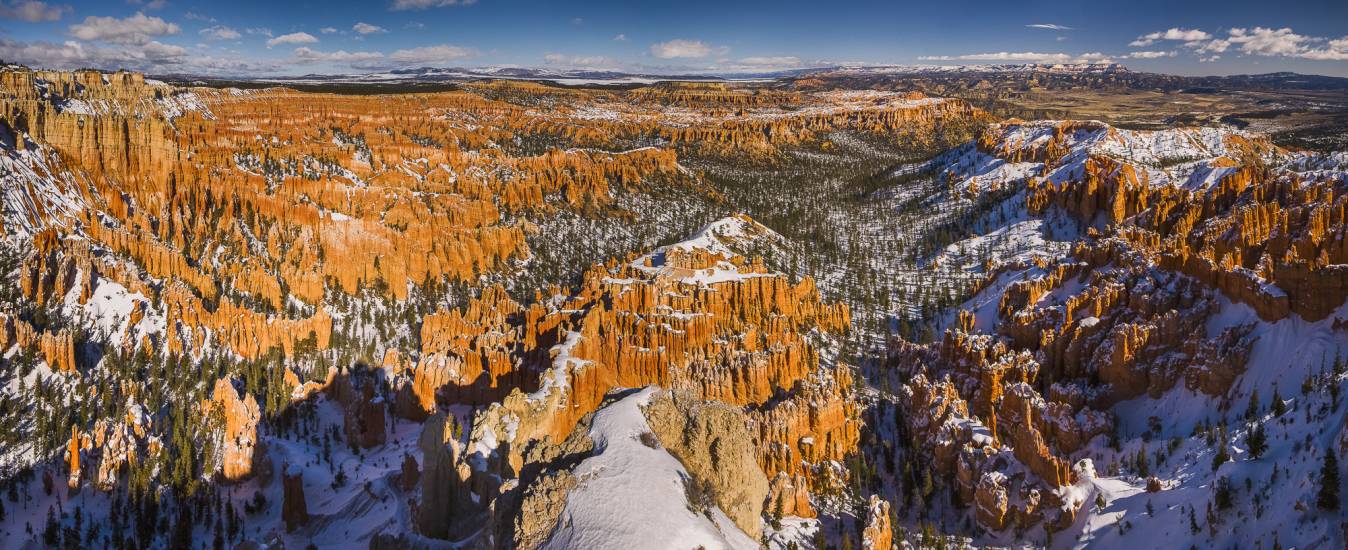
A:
(1257, 441)
(1328, 496)
(1223, 496)
(1252, 411)
(51, 534)
(1221, 458)
(1279, 408)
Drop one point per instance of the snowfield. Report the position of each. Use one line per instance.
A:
(630, 496)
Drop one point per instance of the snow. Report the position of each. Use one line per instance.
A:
(717, 236)
(1191, 158)
(76, 107)
(630, 496)
(800, 531)
(33, 195)
(721, 237)
(1284, 354)
(344, 516)
(559, 374)
(175, 105)
(109, 309)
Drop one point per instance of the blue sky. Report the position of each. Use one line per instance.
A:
(278, 37)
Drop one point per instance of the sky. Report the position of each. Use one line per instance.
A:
(277, 37)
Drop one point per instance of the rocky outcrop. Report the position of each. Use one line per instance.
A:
(714, 444)
(410, 474)
(1128, 313)
(294, 509)
(110, 446)
(992, 504)
(789, 496)
(248, 333)
(234, 421)
(58, 350)
(540, 508)
(73, 448)
(738, 343)
(878, 533)
(1002, 464)
(364, 418)
(445, 496)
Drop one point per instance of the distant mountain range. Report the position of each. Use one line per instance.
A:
(447, 74)
(1104, 72)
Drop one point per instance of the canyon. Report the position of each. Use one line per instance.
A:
(794, 314)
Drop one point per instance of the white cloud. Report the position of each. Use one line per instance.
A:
(193, 16)
(1209, 59)
(328, 30)
(293, 38)
(1211, 46)
(151, 57)
(431, 54)
(1023, 57)
(399, 5)
(770, 61)
(680, 48)
(135, 30)
(592, 62)
(364, 60)
(1262, 41)
(1269, 42)
(1149, 54)
(1175, 33)
(620, 37)
(1049, 26)
(366, 28)
(264, 31)
(219, 32)
(32, 11)
(72, 54)
(1337, 50)
(414, 25)
(373, 60)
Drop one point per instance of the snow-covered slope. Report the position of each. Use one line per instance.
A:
(631, 496)
(1057, 151)
(1273, 495)
(730, 237)
(35, 191)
